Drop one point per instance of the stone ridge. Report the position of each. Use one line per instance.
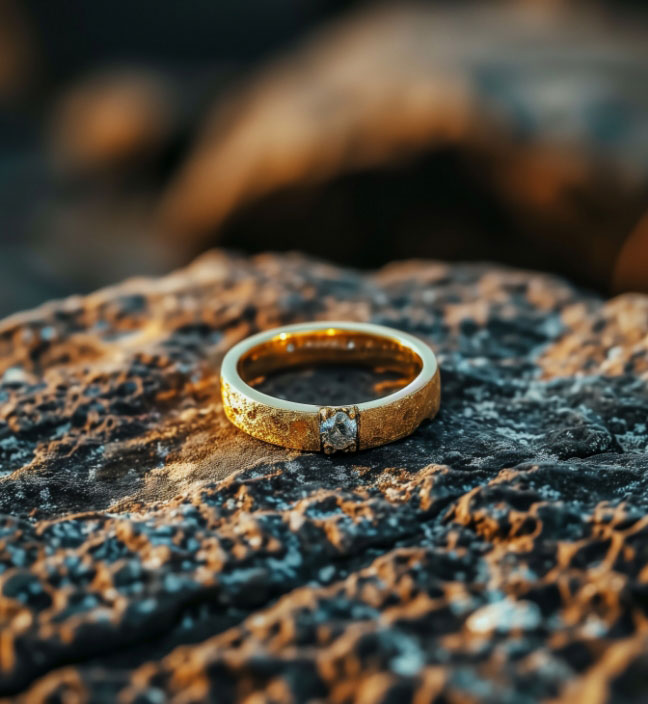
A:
(149, 551)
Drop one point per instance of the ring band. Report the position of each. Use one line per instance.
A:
(303, 426)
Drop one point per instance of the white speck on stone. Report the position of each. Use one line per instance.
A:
(504, 616)
(296, 521)
(409, 660)
(326, 573)
(594, 627)
(14, 375)
(259, 621)
(155, 695)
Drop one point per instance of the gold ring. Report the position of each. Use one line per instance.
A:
(303, 426)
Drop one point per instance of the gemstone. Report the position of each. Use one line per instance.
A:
(338, 431)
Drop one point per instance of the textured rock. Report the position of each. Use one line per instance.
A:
(149, 550)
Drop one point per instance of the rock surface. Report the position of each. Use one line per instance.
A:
(149, 551)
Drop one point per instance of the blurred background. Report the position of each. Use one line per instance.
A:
(135, 135)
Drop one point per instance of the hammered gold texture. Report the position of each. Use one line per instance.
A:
(378, 426)
(298, 431)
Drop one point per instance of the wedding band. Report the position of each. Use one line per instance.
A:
(303, 426)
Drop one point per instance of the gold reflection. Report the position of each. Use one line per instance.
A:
(330, 346)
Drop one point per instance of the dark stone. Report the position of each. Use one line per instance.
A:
(499, 554)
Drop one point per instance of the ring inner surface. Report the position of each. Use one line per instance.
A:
(332, 367)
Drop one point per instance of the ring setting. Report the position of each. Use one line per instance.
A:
(339, 429)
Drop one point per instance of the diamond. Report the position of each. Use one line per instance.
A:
(338, 429)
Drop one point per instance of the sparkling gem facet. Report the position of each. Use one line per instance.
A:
(339, 432)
